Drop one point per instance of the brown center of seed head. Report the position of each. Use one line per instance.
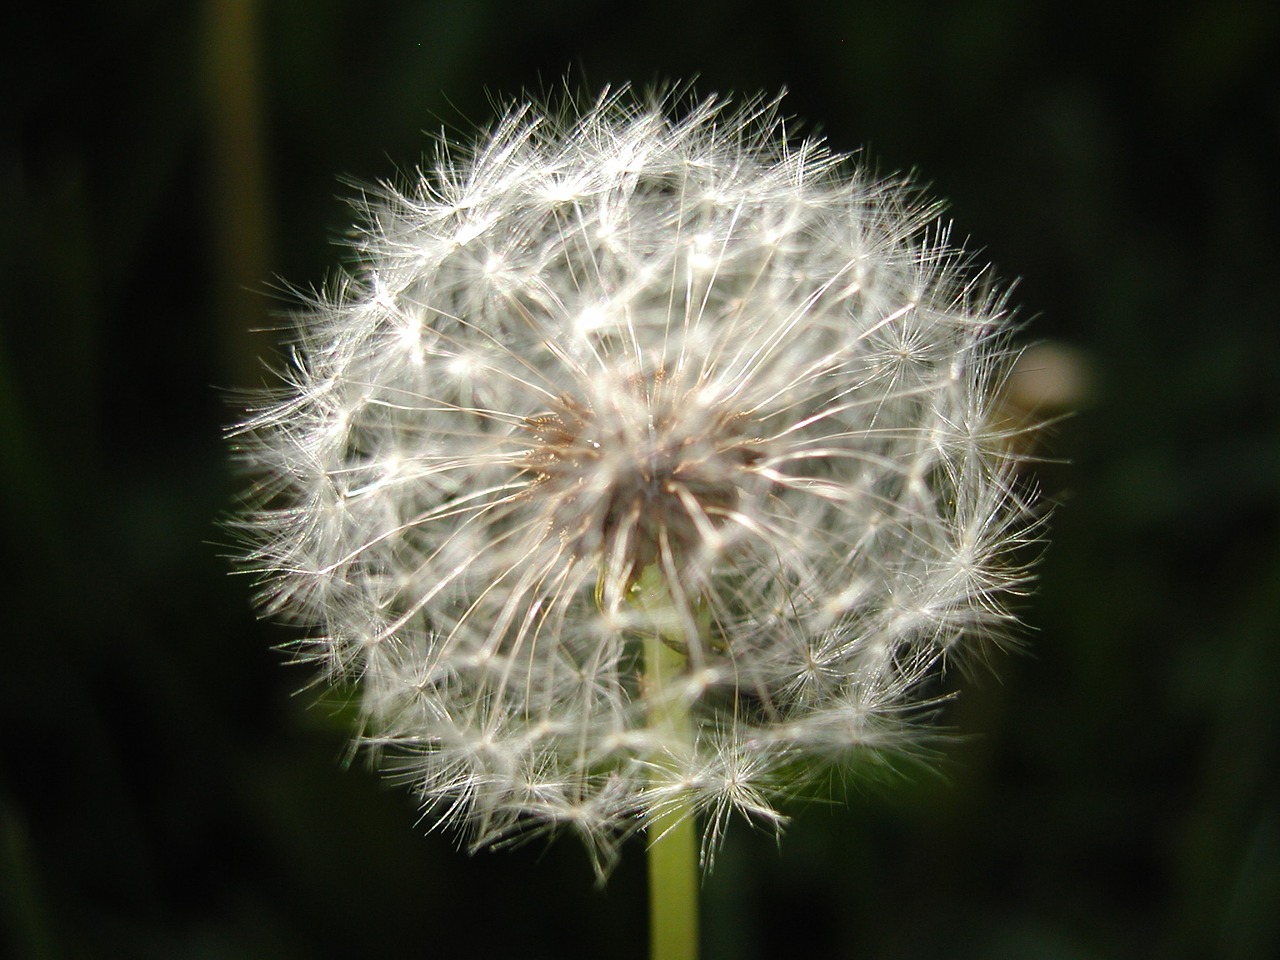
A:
(643, 476)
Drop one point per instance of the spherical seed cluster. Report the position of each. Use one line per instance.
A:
(598, 353)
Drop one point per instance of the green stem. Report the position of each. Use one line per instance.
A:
(673, 842)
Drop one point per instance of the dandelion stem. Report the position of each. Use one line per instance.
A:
(673, 845)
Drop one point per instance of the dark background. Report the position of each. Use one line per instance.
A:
(164, 167)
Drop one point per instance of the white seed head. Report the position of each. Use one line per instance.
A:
(602, 344)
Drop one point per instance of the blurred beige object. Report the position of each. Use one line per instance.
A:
(1048, 381)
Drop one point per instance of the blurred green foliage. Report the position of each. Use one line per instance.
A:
(163, 793)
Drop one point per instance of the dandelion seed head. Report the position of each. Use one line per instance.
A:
(622, 340)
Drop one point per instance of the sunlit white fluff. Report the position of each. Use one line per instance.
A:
(602, 344)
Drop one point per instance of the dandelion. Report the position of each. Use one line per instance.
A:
(644, 467)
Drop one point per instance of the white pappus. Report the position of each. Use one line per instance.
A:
(614, 372)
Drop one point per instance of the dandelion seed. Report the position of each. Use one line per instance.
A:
(619, 379)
